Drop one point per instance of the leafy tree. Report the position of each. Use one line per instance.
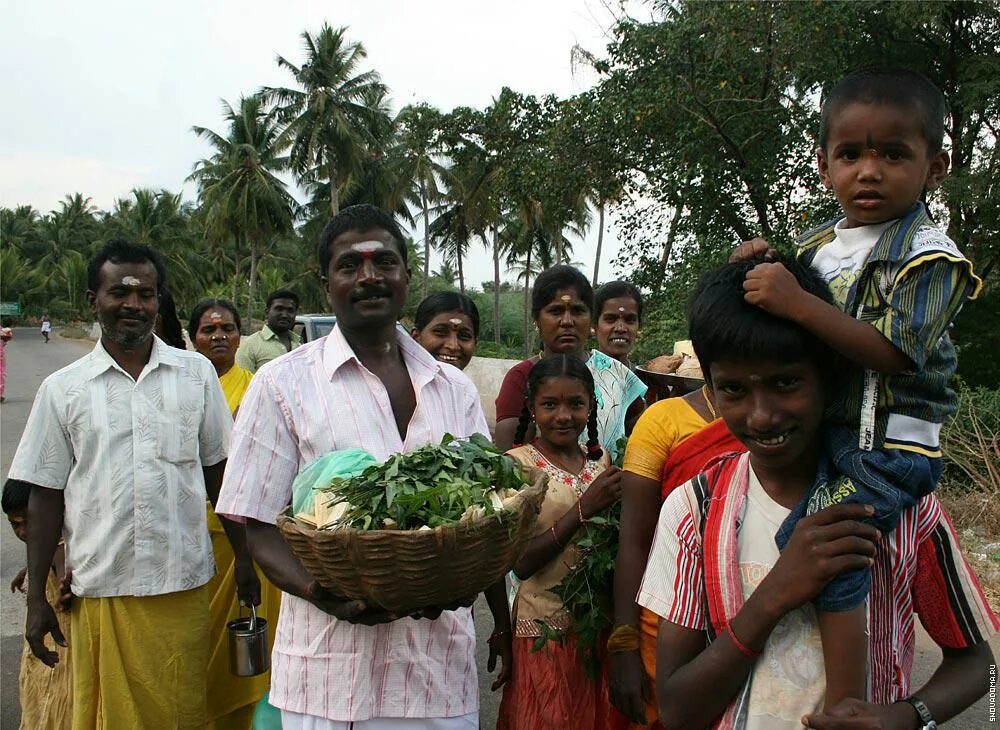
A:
(335, 113)
(239, 186)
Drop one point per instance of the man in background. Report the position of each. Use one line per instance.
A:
(275, 337)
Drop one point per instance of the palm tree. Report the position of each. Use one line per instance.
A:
(446, 273)
(417, 166)
(239, 186)
(161, 220)
(452, 235)
(329, 119)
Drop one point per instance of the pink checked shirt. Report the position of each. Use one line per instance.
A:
(320, 398)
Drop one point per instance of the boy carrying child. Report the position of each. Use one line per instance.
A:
(739, 639)
(898, 282)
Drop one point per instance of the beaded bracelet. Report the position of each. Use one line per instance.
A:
(740, 646)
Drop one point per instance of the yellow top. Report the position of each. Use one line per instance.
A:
(234, 386)
(659, 429)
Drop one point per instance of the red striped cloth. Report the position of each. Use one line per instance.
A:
(693, 578)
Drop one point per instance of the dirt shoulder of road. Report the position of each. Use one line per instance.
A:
(976, 516)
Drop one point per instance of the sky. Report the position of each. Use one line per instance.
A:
(100, 96)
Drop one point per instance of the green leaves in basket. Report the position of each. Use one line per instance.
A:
(433, 485)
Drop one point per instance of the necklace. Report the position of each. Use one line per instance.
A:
(555, 461)
(708, 401)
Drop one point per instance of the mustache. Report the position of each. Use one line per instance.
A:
(371, 291)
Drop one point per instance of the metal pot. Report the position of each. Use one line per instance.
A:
(248, 654)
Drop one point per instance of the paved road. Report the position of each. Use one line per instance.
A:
(29, 361)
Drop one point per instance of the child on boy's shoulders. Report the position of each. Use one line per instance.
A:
(740, 644)
(898, 282)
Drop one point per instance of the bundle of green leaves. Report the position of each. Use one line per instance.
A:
(434, 485)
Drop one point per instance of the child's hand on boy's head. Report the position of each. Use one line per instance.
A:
(774, 289)
(603, 492)
(753, 249)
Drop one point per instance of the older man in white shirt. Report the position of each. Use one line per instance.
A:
(339, 664)
(122, 447)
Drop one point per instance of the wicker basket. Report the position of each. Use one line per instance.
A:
(406, 570)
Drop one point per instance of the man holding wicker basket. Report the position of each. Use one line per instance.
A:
(340, 663)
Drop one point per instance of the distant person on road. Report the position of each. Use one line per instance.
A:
(46, 327)
(6, 335)
(45, 694)
(168, 325)
(275, 337)
(121, 449)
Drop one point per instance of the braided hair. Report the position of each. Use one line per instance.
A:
(566, 366)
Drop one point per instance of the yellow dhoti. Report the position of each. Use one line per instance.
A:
(231, 699)
(140, 662)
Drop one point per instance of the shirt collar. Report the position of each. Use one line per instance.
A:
(892, 245)
(422, 367)
(161, 354)
(266, 333)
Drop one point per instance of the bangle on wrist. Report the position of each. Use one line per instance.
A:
(579, 510)
(740, 646)
(924, 715)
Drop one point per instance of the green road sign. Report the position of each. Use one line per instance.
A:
(10, 309)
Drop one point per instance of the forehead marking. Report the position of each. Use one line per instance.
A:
(367, 249)
(621, 309)
(455, 321)
(566, 298)
(130, 281)
(215, 316)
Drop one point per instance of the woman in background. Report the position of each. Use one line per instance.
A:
(617, 318)
(447, 326)
(214, 329)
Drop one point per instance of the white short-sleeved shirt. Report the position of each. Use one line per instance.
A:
(317, 399)
(129, 455)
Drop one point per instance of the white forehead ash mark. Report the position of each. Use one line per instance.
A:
(566, 298)
(130, 281)
(455, 321)
(367, 246)
(621, 309)
(215, 316)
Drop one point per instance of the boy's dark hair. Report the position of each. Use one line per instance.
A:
(906, 90)
(362, 217)
(122, 251)
(439, 302)
(203, 306)
(554, 278)
(281, 294)
(173, 333)
(565, 366)
(15, 496)
(724, 326)
(614, 290)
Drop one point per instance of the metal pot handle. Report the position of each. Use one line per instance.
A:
(253, 618)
